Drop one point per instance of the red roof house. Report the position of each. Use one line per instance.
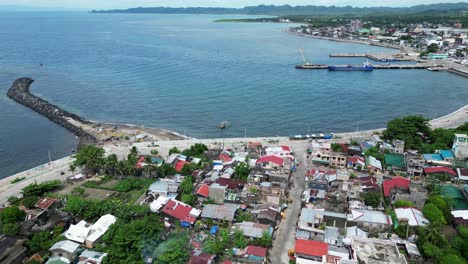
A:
(203, 190)
(440, 169)
(286, 148)
(396, 182)
(180, 165)
(369, 184)
(311, 248)
(225, 157)
(231, 184)
(140, 162)
(46, 203)
(256, 251)
(181, 211)
(271, 159)
(198, 257)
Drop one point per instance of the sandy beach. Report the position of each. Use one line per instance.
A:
(166, 140)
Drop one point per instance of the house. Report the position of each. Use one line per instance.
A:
(164, 187)
(442, 158)
(98, 229)
(199, 257)
(417, 195)
(270, 162)
(12, 249)
(373, 250)
(310, 251)
(462, 174)
(460, 217)
(48, 204)
(354, 151)
(412, 216)
(58, 260)
(91, 257)
(456, 195)
(180, 165)
(369, 184)
(66, 249)
(203, 192)
(373, 165)
(224, 212)
(280, 151)
(415, 164)
(256, 254)
(356, 162)
(395, 162)
(253, 230)
(460, 146)
(371, 220)
(396, 182)
(440, 170)
(217, 192)
(397, 146)
(266, 213)
(78, 232)
(181, 211)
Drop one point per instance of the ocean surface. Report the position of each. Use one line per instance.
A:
(187, 74)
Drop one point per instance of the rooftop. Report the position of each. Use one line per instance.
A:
(65, 245)
(221, 212)
(373, 251)
(398, 182)
(414, 216)
(46, 202)
(311, 248)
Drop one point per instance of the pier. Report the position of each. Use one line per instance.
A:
(375, 57)
(376, 67)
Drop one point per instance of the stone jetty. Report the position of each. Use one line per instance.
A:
(20, 92)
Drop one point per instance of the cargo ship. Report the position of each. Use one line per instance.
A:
(365, 67)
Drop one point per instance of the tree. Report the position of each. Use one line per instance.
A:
(451, 259)
(10, 228)
(371, 198)
(111, 164)
(41, 188)
(336, 147)
(154, 152)
(412, 129)
(188, 169)
(90, 157)
(239, 239)
(265, 241)
(174, 150)
(189, 199)
(432, 48)
(11, 215)
(434, 214)
(241, 171)
(78, 191)
(72, 168)
(402, 203)
(196, 150)
(166, 170)
(442, 204)
(30, 201)
(374, 152)
(172, 251)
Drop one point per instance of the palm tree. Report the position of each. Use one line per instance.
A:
(149, 164)
(111, 163)
(433, 233)
(72, 168)
(122, 167)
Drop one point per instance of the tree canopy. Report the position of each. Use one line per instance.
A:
(90, 157)
(241, 171)
(196, 150)
(371, 198)
(434, 214)
(411, 129)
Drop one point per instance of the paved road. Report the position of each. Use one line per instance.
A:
(285, 235)
(46, 172)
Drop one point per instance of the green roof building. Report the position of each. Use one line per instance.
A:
(452, 192)
(395, 162)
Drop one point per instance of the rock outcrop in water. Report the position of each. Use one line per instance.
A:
(19, 92)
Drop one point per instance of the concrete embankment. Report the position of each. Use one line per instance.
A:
(20, 92)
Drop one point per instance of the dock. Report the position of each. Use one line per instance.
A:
(376, 67)
(375, 57)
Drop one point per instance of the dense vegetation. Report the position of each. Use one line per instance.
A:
(417, 134)
(287, 10)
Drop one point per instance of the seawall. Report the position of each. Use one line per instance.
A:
(20, 92)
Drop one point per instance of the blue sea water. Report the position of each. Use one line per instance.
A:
(186, 73)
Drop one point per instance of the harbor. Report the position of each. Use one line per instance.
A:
(375, 57)
(420, 66)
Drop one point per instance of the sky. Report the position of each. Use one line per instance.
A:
(118, 4)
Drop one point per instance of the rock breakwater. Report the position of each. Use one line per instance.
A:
(20, 92)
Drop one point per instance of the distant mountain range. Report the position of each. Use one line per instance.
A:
(293, 10)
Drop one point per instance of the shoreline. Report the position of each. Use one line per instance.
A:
(343, 40)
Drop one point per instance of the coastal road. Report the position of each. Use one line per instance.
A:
(46, 172)
(286, 233)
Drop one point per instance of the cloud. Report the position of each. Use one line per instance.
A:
(111, 4)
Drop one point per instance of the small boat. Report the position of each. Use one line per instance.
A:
(365, 67)
(223, 125)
